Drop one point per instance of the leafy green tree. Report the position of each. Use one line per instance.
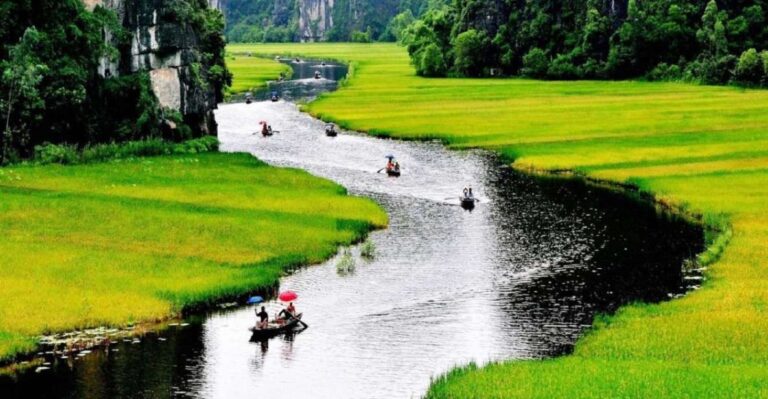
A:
(397, 26)
(711, 35)
(431, 62)
(535, 63)
(470, 50)
(22, 104)
(750, 67)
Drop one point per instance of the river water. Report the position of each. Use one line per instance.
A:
(520, 276)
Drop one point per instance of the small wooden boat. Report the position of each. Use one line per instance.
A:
(248, 98)
(330, 131)
(393, 172)
(318, 75)
(468, 202)
(275, 329)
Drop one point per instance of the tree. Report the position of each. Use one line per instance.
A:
(431, 62)
(711, 35)
(471, 52)
(397, 26)
(535, 63)
(22, 73)
(749, 69)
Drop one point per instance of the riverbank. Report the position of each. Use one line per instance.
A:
(703, 148)
(141, 239)
(253, 72)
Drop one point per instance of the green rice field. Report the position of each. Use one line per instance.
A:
(138, 240)
(702, 148)
(253, 72)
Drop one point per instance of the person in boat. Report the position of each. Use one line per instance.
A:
(391, 164)
(469, 193)
(265, 129)
(263, 319)
(466, 192)
(286, 314)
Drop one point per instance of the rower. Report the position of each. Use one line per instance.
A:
(263, 319)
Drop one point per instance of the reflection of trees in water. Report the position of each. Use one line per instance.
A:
(577, 251)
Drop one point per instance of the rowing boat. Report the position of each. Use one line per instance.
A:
(276, 329)
(468, 202)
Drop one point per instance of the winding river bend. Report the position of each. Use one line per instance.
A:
(521, 276)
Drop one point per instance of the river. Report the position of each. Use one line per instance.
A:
(520, 276)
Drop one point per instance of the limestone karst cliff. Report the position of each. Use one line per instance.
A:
(308, 20)
(169, 48)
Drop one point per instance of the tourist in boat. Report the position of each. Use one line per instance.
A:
(263, 319)
(286, 314)
(266, 130)
(466, 192)
(469, 193)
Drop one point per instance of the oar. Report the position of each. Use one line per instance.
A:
(379, 171)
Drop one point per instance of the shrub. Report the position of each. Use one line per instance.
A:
(56, 153)
(361, 37)
(535, 63)
(563, 68)
(431, 62)
(470, 52)
(749, 69)
(69, 154)
(665, 72)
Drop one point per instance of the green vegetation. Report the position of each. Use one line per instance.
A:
(270, 21)
(139, 239)
(254, 72)
(51, 89)
(701, 147)
(693, 40)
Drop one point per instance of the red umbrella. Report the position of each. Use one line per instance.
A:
(288, 296)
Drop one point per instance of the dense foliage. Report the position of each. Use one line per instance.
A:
(50, 88)
(699, 40)
(265, 21)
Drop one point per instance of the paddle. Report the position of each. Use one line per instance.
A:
(379, 171)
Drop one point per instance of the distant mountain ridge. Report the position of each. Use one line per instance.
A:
(315, 20)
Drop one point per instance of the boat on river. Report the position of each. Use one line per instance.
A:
(275, 329)
(330, 130)
(468, 202)
(394, 172)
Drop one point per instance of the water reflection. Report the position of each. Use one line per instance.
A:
(309, 80)
(521, 276)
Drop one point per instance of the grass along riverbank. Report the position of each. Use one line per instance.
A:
(702, 147)
(253, 72)
(139, 239)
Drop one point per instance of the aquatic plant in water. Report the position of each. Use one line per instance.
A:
(368, 250)
(346, 263)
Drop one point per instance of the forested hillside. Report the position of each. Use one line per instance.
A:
(79, 74)
(321, 20)
(698, 40)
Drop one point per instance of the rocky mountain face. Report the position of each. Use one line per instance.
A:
(315, 19)
(307, 20)
(169, 50)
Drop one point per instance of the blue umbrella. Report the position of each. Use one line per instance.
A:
(389, 156)
(255, 299)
